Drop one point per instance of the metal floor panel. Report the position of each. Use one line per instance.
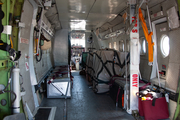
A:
(19, 116)
(85, 104)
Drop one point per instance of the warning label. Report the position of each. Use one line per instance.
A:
(23, 40)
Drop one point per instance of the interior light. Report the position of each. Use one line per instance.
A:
(121, 45)
(78, 24)
(107, 36)
(114, 34)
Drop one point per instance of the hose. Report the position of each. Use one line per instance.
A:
(5, 91)
(38, 16)
(37, 55)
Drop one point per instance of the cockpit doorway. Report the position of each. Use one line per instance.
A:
(77, 49)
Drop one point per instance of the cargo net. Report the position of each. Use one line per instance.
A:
(89, 65)
(103, 64)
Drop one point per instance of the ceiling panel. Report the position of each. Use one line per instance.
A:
(108, 6)
(80, 6)
(72, 10)
(102, 11)
(71, 16)
(62, 6)
(65, 24)
(99, 19)
(90, 27)
(74, 6)
(152, 3)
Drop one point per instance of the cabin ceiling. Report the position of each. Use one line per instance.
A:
(92, 14)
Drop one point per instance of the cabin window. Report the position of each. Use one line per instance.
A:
(144, 46)
(164, 45)
(109, 45)
(127, 49)
(127, 46)
(121, 46)
(115, 45)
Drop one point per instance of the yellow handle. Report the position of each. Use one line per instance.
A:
(11, 43)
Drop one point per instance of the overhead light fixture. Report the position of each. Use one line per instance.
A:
(115, 34)
(78, 24)
(106, 36)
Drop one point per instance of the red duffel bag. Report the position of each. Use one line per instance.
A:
(141, 112)
(154, 109)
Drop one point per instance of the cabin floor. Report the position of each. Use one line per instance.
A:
(85, 104)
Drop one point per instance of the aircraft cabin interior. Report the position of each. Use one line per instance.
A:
(89, 60)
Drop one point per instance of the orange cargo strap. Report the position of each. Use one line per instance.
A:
(147, 35)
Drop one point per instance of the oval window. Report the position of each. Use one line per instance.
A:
(115, 45)
(144, 46)
(121, 46)
(165, 45)
(109, 45)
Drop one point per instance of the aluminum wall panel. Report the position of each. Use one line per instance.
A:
(26, 17)
(42, 67)
(174, 60)
(60, 49)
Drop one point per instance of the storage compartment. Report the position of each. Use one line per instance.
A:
(59, 88)
(59, 83)
(117, 94)
(118, 91)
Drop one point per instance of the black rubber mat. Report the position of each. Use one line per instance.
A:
(42, 114)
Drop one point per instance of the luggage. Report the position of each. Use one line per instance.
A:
(108, 63)
(117, 85)
(153, 107)
(117, 90)
(117, 93)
